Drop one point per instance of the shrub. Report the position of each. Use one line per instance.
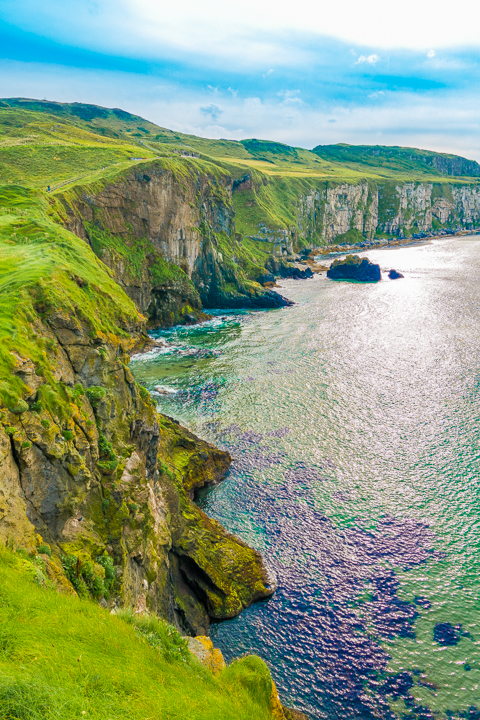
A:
(44, 550)
(81, 574)
(95, 394)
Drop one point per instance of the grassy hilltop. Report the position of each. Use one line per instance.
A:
(47, 142)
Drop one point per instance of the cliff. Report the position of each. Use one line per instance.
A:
(167, 230)
(187, 223)
(88, 467)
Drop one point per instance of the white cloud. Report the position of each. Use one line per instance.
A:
(247, 33)
(290, 97)
(431, 54)
(370, 59)
(234, 92)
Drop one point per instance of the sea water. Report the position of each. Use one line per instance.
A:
(353, 419)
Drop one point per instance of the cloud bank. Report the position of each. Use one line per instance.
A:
(370, 72)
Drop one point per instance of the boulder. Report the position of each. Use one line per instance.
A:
(354, 267)
(394, 275)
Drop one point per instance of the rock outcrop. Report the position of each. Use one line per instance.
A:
(164, 233)
(354, 267)
(88, 469)
(116, 478)
(395, 275)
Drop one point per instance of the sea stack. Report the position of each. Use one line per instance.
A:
(354, 267)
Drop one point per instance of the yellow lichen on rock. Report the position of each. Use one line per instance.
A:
(202, 647)
(275, 704)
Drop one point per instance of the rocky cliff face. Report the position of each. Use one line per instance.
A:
(350, 213)
(169, 231)
(158, 229)
(108, 483)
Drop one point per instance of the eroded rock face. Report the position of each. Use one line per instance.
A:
(348, 213)
(113, 477)
(149, 217)
(354, 268)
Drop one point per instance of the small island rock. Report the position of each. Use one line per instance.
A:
(394, 275)
(354, 267)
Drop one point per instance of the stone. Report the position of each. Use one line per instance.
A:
(202, 647)
(354, 267)
(394, 275)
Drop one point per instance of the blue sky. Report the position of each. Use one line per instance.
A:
(304, 73)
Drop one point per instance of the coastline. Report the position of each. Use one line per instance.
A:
(332, 249)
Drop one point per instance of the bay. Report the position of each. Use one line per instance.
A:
(354, 421)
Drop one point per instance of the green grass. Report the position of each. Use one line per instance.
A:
(44, 268)
(42, 127)
(393, 161)
(63, 658)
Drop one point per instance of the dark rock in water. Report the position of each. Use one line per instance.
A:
(394, 275)
(447, 634)
(354, 267)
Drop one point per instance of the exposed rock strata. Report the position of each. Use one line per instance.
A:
(112, 476)
(349, 213)
(178, 219)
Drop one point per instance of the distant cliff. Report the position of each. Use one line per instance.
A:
(318, 212)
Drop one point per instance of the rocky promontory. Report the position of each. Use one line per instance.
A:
(88, 467)
(354, 267)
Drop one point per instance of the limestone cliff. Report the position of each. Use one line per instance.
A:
(349, 213)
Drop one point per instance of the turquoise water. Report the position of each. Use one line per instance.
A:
(354, 421)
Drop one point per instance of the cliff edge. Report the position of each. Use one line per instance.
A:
(88, 467)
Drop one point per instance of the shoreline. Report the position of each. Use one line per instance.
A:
(333, 249)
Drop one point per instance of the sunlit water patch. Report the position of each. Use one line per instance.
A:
(353, 418)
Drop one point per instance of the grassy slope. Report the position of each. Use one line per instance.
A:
(117, 130)
(85, 147)
(64, 658)
(43, 265)
(390, 161)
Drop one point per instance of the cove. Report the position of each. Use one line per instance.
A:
(353, 419)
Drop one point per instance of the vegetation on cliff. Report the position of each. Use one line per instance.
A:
(61, 657)
(87, 466)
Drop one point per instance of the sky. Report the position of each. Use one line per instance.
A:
(306, 72)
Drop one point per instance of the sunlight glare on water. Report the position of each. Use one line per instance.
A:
(353, 419)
